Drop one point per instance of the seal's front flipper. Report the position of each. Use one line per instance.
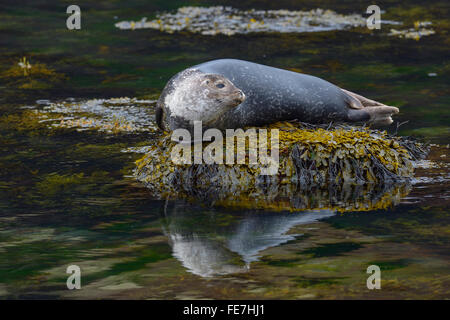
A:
(159, 114)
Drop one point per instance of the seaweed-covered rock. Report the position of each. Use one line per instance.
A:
(336, 166)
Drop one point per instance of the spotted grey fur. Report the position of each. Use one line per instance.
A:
(271, 95)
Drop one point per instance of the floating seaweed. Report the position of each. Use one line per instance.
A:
(116, 115)
(339, 166)
(415, 33)
(230, 21)
(27, 75)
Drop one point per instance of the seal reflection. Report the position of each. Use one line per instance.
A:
(215, 243)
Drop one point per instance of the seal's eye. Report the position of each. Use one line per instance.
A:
(220, 85)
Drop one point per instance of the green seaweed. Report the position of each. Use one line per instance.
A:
(332, 249)
(287, 263)
(391, 265)
(305, 282)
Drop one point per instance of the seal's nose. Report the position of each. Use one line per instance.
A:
(241, 95)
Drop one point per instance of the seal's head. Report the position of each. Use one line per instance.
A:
(198, 96)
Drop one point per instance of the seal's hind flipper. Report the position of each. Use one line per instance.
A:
(363, 100)
(381, 115)
(377, 115)
(352, 101)
(369, 110)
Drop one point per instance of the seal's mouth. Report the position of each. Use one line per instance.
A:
(240, 97)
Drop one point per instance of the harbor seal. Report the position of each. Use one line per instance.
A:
(231, 94)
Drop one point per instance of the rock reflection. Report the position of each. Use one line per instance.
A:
(289, 197)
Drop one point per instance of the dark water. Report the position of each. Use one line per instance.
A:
(66, 197)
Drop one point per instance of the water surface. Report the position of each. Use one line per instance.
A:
(67, 197)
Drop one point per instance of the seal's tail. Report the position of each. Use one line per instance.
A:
(363, 109)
